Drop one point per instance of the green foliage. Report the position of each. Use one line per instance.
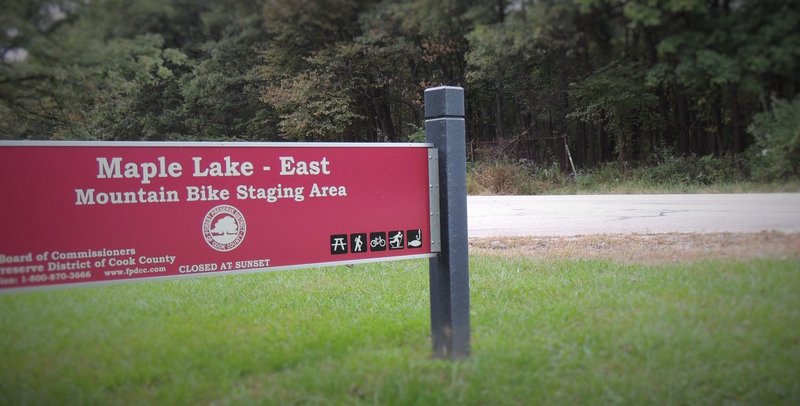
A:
(775, 155)
(133, 69)
(618, 78)
(670, 169)
(498, 178)
(667, 172)
(649, 13)
(359, 77)
(616, 99)
(498, 51)
(507, 177)
(221, 96)
(144, 70)
(311, 107)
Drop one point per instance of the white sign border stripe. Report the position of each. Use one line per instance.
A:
(214, 273)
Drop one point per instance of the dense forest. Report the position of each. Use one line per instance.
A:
(614, 80)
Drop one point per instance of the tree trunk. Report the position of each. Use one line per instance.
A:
(501, 10)
(684, 125)
(606, 147)
(385, 123)
(667, 133)
(500, 135)
(580, 148)
(719, 147)
(736, 125)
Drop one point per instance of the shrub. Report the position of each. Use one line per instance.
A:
(726, 169)
(604, 175)
(776, 152)
(497, 178)
(520, 177)
(670, 169)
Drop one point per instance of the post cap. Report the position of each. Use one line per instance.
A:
(444, 101)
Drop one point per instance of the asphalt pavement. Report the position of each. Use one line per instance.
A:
(491, 216)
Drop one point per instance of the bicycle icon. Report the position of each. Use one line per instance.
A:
(378, 241)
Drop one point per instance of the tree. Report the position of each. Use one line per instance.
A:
(616, 99)
(620, 80)
(775, 154)
(352, 89)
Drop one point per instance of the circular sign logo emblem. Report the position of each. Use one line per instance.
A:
(224, 228)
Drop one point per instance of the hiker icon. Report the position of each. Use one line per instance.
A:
(358, 243)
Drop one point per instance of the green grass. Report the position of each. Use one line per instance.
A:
(544, 332)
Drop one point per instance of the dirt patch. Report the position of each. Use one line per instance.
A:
(646, 248)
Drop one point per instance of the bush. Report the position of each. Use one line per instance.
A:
(667, 172)
(671, 169)
(601, 177)
(776, 152)
(520, 177)
(727, 169)
(497, 178)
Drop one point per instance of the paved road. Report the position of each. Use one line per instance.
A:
(622, 214)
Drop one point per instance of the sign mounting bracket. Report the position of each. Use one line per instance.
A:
(433, 184)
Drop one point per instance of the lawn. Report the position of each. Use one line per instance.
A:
(544, 332)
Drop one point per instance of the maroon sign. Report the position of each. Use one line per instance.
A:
(97, 212)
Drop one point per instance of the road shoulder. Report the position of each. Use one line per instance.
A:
(647, 249)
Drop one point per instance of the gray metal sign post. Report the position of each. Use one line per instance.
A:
(449, 271)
